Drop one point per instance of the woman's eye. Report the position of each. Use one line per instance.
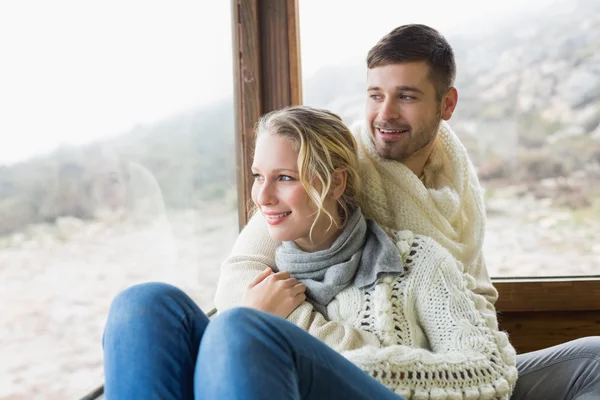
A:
(286, 178)
(256, 176)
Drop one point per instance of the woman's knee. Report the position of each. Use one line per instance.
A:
(238, 318)
(145, 299)
(237, 325)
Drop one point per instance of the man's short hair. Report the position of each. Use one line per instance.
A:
(415, 42)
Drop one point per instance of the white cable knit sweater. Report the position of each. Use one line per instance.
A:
(445, 204)
(435, 341)
(425, 335)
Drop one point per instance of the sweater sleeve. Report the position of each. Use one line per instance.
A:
(339, 335)
(468, 357)
(254, 251)
(483, 286)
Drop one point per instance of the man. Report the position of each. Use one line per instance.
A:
(416, 176)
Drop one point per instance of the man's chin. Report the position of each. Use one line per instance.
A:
(389, 150)
(388, 154)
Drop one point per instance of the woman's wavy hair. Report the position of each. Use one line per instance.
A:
(325, 145)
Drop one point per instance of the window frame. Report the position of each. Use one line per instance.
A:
(266, 57)
(537, 312)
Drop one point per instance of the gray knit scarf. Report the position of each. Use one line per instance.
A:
(359, 256)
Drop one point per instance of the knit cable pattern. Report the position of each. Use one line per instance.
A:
(436, 341)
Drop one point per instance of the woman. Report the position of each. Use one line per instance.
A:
(391, 304)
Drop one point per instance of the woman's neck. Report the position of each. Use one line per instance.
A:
(323, 236)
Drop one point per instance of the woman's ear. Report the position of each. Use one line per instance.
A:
(338, 183)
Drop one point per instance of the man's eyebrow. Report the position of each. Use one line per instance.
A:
(398, 89)
(408, 89)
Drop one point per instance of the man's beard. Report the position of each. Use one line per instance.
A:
(415, 143)
(427, 134)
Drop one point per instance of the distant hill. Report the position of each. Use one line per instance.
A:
(532, 82)
(190, 156)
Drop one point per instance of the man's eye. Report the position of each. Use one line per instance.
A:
(375, 96)
(406, 97)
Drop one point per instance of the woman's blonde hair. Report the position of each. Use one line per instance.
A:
(325, 145)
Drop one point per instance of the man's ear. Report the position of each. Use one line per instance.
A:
(338, 183)
(449, 102)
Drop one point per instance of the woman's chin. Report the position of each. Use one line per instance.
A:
(279, 236)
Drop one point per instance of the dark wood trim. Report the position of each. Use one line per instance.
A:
(274, 54)
(530, 331)
(550, 294)
(247, 93)
(295, 58)
(95, 394)
(266, 48)
(544, 312)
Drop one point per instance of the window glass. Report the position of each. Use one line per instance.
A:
(117, 166)
(528, 78)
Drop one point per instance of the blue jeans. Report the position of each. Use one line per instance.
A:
(159, 345)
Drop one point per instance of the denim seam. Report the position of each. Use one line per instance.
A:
(591, 356)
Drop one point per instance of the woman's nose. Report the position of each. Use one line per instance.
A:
(266, 195)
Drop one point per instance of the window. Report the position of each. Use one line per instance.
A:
(117, 166)
(528, 77)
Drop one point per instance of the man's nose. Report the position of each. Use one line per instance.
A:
(389, 110)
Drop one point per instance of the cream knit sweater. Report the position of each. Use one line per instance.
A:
(435, 341)
(424, 334)
(446, 203)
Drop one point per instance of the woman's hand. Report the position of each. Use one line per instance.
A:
(276, 293)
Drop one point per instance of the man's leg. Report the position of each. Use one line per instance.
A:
(250, 355)
(151, 343)
(570, 371)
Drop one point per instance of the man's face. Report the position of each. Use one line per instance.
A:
(402, 112)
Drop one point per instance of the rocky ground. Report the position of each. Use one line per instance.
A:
(57, 282)
(529, 237)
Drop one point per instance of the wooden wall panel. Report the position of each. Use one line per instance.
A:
(551, 294)
(529, 331)
(545, 312)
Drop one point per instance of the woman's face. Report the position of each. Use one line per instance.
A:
(281, 198)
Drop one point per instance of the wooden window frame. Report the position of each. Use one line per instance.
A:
(266, 56)
(537, 313)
